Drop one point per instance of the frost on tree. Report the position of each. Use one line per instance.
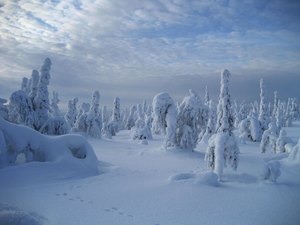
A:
(41, 100)
(19, 108)
(281, 141)
(211, 124)
(56, 124)
(81, 124)
(3, 108)
(131, 117)
(72, 112)
(255, 127)
(190, 119)
(94, 119)
(269, 138)
(263, 110)
(141, 130)
(222, 147)
(244, 130)
(35, 77)
(164, 118)
(114, 125)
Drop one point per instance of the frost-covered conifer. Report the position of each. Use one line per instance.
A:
(71, 114)
(19, 108)
(3, 108)
(281, 141)
(115, 123)
(206, 97)
(279, 115)
(244, 130)
(255, 127)
(25, 85)
(35, 77)
(81, 124)
(263, 111)
(105, 115)
(131, 118)
(269, 138)
(222, 147)
(41, 100)
(94, 119)
(275, 103)
(54, 110)
(190, 119)
(211, 124)
(164, 118)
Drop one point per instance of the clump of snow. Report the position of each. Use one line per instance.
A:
(10, 215)
(208, 178)
(271, 171)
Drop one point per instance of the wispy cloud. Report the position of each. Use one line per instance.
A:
(93, 42)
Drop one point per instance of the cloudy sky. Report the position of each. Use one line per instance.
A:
(136, 48)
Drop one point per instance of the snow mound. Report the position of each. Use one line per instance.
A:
(13, 216)
(208, 178)
(181, 176)
(35, 146)
(271, 171)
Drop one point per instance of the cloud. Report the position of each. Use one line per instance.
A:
(118, 45)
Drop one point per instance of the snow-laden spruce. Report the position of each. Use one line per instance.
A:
(190, 120)
(67, 149)
(72, 112)
(164, 118)
(211, 124)
(263, 111)
(281, 141)
(41, 101)
(222, 147)
(269, 138)
(81, 124)
(94, 119)
(115, 124)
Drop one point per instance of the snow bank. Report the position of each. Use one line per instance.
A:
(38, 147)
(14, 216)
(208, 178)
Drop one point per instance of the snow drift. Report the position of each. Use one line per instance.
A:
(18, 139)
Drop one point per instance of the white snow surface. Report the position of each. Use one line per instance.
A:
(146, 185)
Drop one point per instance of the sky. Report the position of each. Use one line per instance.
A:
(134, 49)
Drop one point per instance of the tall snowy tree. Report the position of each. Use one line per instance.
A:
(190, 119)
(206, 97)
(115, 123)
(263, 110)
(94, 119)
(164, 118)
(211, 124)
(35, 77)
(71, 115)
(41, 100)
(223, 149)
(131, 117)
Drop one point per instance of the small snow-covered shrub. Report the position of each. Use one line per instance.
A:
(271, 171)
(269, 138)
(281, 141)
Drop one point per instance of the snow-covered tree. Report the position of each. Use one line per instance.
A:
(275, 103)
(41, 100)
(255, 127)
(54, 110)
(281, 141)
(81, 124)
(19, 108)
(222, 147)
(115, 123)
(94, 119)
(206, 97)
(71, 114)
(164, 118)
(35, 77)
(131, 118)
(105, 115)
(245, 131)
(269, 138)
(3, 108)
(190, 119)
(25, 85)
(279, 115)
(263, 110)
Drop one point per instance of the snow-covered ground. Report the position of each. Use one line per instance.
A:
(145, 185)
